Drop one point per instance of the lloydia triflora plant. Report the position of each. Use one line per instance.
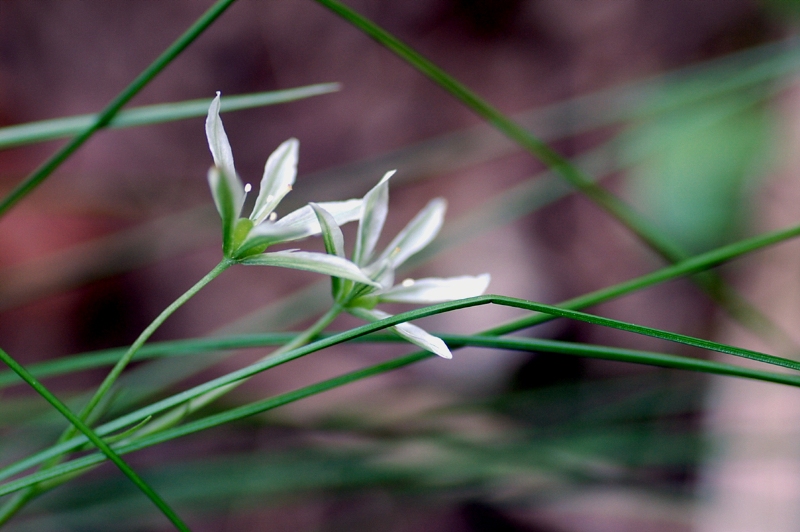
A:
(360, 298)
(358, 285)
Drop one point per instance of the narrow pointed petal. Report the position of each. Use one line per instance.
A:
(373, 216)
(279, 175)
(223, 198)
(418, 233)
(303, 222)
(331, 233)
(222, 154)
(434, 290)
(412, 333)
(310, 261)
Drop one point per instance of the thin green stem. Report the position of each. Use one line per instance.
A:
(524, 344)
(123, 362)
(177, 414)
(105, 116)
(14, 505)
(181, 398)
(95, 439)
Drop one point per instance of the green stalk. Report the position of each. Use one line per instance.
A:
(105, 116)
(14, 505)
(123, 362)
(56, 128)
(78, 424)
(181, 398)
(485, 340)
(177, 414)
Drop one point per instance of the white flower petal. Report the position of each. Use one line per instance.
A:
(434, 290)
(303, 222)
(222, 154)
(223, 198)
(373, 216)
(417, 234)
(279, 175)
(314, 262)
(412, 333)
(331, 233)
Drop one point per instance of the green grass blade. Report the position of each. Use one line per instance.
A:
(105, 116)
(182, 397)
(95, 439)
(152, 114)
(520, 344)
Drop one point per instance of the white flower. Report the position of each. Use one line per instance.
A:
(360, 299)
(245, 239)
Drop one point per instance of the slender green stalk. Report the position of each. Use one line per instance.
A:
(177, 414)
(182, 398)
(105, 116)
(11, 507)
(520, 344)
(57, 128)
(123, 362)
(512, 130)
(95, 439)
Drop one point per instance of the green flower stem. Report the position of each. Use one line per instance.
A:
(12, 506)
(94, 438)
(181, 398)
(738, 307)
(174, 416)
(105, 116)
(518, 344)
(123, 362)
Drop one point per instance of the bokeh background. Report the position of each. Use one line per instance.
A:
(688, 110)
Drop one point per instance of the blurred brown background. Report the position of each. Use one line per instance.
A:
(124, 227)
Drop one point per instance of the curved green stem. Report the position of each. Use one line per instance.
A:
(105, 116)
(14, 505)
(123, 362)
(183, 397)
(78, 424)
(174, 416)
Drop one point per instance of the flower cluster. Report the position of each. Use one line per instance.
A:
(360, 299)
(358, 284)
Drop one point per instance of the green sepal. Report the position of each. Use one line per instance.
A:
(367, 302)
(241, 229)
